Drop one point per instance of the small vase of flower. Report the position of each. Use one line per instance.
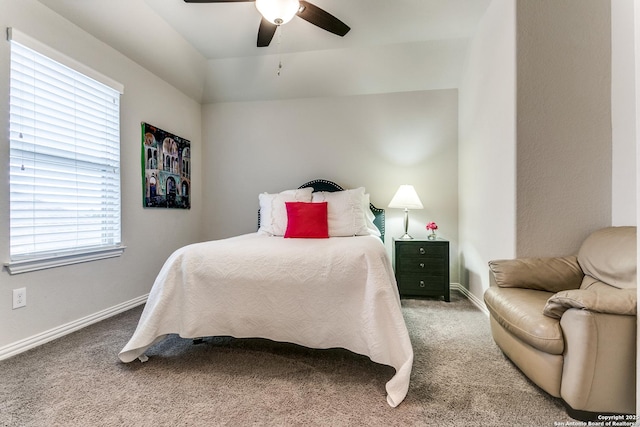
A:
(432, 227)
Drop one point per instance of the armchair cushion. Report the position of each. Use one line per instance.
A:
(519, 311)
(611, 301)
(543, 274)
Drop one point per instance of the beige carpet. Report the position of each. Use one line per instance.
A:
(460, 378)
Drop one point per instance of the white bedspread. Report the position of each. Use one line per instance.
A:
(319, 293)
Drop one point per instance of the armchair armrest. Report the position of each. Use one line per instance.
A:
(610, 301)
(599, 368)
(544, 274)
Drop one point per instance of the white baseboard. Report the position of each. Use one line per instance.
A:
(474, 299)
(62, 330)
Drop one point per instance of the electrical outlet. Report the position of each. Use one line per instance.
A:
(19, 298)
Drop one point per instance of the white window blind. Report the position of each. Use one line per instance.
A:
(64, 162)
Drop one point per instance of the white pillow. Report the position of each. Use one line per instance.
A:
(369, 217)
(345, 212)
(273, 211)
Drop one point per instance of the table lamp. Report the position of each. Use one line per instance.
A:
(406, 198)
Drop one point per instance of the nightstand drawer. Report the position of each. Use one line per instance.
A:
(419, 250)
(415, 284)
(423, 266)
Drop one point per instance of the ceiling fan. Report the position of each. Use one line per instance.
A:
(278, 12)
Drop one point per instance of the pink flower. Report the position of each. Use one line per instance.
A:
(432, 226)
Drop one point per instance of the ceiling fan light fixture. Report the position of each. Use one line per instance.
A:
(278, 12)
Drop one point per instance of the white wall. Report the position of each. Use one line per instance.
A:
(375, 141)
(564, 170)
(560, 187)
(61, 295)
(487, 145)
(623, 113)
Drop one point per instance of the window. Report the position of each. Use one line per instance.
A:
(64, 162)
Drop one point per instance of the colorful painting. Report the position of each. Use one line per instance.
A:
(166, 169)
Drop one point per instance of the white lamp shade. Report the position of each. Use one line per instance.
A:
(406, 198)
(278, 12)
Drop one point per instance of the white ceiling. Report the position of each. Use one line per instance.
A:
(229, 29)
(392, 46)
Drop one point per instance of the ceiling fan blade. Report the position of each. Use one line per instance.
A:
(322, 19)
(266, 32)
(217, 1)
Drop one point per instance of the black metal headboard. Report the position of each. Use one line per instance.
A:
(325, 185)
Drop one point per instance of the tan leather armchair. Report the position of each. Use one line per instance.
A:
(569, 324)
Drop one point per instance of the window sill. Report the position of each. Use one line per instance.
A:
(26, 266)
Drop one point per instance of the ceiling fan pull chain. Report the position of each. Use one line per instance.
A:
(279, 54)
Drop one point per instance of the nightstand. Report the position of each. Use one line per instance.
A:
(422, 267)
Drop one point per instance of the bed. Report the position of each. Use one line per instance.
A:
(336, 290)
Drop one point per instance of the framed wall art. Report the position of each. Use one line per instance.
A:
(166, 169)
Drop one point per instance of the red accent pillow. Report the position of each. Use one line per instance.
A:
(307, 220)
